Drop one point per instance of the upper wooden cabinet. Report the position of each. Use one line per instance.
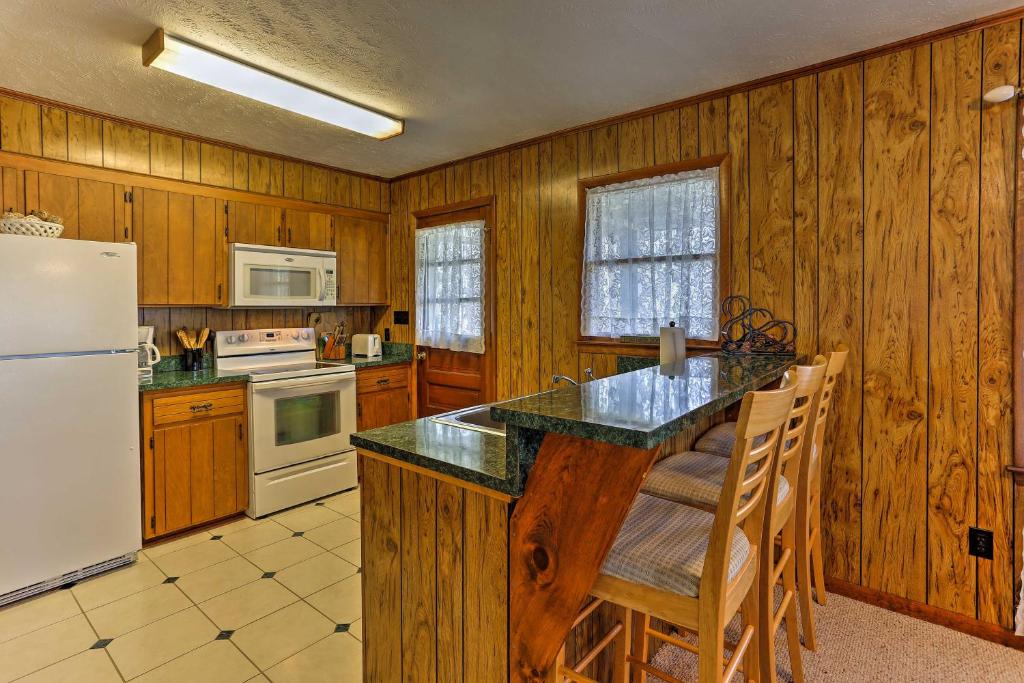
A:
(362, 262)
(91, 209)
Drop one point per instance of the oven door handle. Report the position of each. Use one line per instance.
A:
(314, 381)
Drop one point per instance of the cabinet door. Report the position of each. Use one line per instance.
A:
(362, 261)
(207, 242)
(268, 226)
(296, 225)
(382, 408)
(180, 249)
(97, 211)
(58, 194)
(242, 223)
(12, 189)
(230, 466)
(376, 263)
(172, 479)
(321, 232)
(151, 234)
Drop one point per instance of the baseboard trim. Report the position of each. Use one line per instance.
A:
(934, 615)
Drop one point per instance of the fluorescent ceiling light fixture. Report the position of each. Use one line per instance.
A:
(199, 64)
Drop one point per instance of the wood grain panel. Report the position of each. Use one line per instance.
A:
(180, 249)
(20, 127)
(125, 147)
(529, 280)
(381, 512)
(206, 242)
(266, 175)
(771, 198)
(713, 123)
(605, 150)
(166, 156)
(314, 183)
(191, 154)
(240, 172)
(292, 179)
(481, 178)
(97, 210)
(566, 256)
(85, 139)
(59, 195)
(201, 472)
(486, 601)
(738, 261)
(689, 137)
(517, 382)
(153, 229)
(419, 588)
(896, 128)
(175, 462)
(225, 458)
(953, 321)
(636, 143)
(1000, 65)
(805, 212)
(216, 165)
(450, 551)
(545, 300)
(840, 275)
(55, 132)
(502, 280)
(666, 137)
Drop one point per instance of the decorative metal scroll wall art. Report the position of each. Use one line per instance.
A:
(754, 330)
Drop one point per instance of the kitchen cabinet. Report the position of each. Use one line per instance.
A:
(195, 457)
(91, 209)
(362, 247)
(296, 228)
(383, 395)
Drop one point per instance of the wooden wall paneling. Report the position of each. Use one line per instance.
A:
(381, 512)
(502, 281)
(896, 131)
(100, 211)
(216, 165)
(667, 147)
(566, 255)
(166, 156)
(805, 212)
(604, 143)
(636, 143)
(435, 189)
(59, 195)
(546, 293)
(739, 209)
(266, 175)
(20, 127)
(355, 190)
(481, 178)
(485, 625)
(314, 183)
(339, 191)
(460, 180)
(125, 148)
(207, 242)
(517, 383)
(419, 588)
(953, 353)
(55, 132)
(689, 135)
(85, 139)
(180, 249)
(450, 556)
(1000, 65)
(841, 287)
(240, 170)
(399, 249)
(771, 198)
(191, 155)
(713, 123)
(30, 189)
(529, 294)
(152, 227)
(201, 471)
(292, 179)
(12, 189)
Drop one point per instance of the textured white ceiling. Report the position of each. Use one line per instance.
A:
(467, 75)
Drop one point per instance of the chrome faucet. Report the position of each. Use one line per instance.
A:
(555, 379)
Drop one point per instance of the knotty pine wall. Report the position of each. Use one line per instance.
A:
(873, 205)
(51, 131)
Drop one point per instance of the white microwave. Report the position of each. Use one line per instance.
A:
(280, 276)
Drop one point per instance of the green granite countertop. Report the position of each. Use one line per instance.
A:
(466, 454)
(640, 409)
(179, 379)
(645, 407)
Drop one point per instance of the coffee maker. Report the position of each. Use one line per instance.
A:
(149, 355)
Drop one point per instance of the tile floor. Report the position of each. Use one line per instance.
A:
(276, 599)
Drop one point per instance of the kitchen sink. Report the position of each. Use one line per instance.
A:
(477, 418)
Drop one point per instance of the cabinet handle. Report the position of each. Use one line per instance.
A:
(126, 232)
(219, 290)
(239, 431)
(384, 380)
(279, 234)
(289, 235)
(200, 407)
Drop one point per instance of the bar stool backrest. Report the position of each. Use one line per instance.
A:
(810, 470)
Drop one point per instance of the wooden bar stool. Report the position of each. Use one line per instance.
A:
(693, 568)
(693, 478)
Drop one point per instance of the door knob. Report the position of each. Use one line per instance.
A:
(421, 355)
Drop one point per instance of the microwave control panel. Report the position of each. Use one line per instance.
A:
(331, 286)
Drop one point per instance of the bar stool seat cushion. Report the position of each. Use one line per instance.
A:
(694, 478)
(720, 440)
(662, 545)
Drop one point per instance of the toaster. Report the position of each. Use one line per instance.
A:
(366, 345)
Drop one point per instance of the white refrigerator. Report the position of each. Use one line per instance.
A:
(70, 502)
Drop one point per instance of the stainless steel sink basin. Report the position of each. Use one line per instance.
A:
(477, 418)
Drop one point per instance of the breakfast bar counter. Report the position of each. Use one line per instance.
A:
(479, 549)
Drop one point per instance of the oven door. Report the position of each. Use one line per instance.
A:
(298, 420)
(269, 278)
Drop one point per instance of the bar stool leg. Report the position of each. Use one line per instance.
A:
(641, 622)
(805, 579)
(711, 652)
(816, 557)
(553, 673)
(789, 587)
(620, 665)
(766, 612)
(749, 617)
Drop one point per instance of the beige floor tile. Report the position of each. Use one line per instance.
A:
(356, 629)
(91, 666)
(316, 573)
(342, 602)
(233, 610)
(351, 552)
(168, 547)
(127, 614)
(160, 642)
(345, 503)
(338, 658)
(306, 517)
(283, 554)
(358, 517)
(117, 584)
(44, 647)
(264, 533)
(29, 615)
(234, 525)
(336, 533)
(259, 679)
(216, 662)
(281, 634)
(219, 578)
(194, 558)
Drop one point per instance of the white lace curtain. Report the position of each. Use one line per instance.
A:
(450, 286)
(651, 256)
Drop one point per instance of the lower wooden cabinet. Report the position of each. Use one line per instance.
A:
(383, 395)
(195, 457)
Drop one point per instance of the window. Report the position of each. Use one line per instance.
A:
(450, 286)
(650, 256)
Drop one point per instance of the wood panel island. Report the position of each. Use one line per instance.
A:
(479, 548)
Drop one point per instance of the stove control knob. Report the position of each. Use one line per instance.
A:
(242, 338)
(231, 339)
(295, 336)
(305, 336)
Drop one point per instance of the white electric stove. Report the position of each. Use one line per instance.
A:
(301, 413)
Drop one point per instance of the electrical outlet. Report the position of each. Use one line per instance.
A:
(979, 543)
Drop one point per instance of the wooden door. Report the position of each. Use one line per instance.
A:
(446, 379)
(180, 249)
(58, 194)
(152, 236)
(207, 241)
(242, 223)
(382, 408)
(269, 230)
(296, 225)
(321, 232)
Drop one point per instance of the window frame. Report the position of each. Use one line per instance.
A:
(719, 161)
